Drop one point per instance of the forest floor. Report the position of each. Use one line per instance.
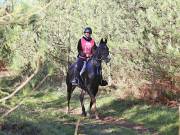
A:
(43, 112)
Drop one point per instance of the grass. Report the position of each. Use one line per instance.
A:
(43, 113)
(160, 118)
(39, 115)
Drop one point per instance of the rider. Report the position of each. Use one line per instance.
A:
(86, 48)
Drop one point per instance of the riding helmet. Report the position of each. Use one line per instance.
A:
(88, 30)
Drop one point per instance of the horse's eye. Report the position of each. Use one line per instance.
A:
(106, 48)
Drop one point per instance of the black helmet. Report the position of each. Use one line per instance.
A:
(88, 30)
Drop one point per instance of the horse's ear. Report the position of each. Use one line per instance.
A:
(105, 40)
(101, 40)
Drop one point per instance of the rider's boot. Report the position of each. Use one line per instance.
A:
(75, 80)
(103, 82)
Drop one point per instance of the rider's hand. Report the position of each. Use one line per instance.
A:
(82, 54)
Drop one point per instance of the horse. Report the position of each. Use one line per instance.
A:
(90, 78)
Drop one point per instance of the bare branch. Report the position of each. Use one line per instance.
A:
(77, 126)
(11, 110)
(44, 79)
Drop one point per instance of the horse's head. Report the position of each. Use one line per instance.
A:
(103, 51)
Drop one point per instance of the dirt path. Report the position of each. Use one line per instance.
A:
(110, 123)
(124, 123)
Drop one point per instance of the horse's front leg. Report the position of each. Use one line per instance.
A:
(81, 97)
(92, 106)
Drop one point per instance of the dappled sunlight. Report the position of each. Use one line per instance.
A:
(156, 117)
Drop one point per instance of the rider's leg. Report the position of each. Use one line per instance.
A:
(77, 70)
(83, 67)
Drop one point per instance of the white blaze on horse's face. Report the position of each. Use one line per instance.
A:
(104, 51)
(108, 58)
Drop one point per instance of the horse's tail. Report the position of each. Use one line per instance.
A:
(69, 64)
(69, 71)
(67, 77)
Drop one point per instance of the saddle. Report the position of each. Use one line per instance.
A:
(98, 71)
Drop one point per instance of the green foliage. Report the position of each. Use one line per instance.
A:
(142, 35)
(22, 38)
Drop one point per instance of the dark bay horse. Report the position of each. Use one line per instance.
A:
(90, 77)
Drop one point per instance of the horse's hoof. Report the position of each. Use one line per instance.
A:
(83, 114)
(68, 111)
(88, 115)
(97, 117)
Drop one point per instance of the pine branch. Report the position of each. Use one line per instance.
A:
(22, 84)
(9, 18)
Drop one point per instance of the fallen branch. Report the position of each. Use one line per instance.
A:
(23, 84)
(11, 110)
(179, 118)
(42, 81)
(77, 126)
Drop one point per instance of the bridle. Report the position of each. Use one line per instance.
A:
(95, 57)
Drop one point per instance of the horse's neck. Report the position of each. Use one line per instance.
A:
(97, 54)
(95, 61)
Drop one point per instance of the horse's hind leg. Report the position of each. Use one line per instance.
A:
(81, 97)
(70, 89)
